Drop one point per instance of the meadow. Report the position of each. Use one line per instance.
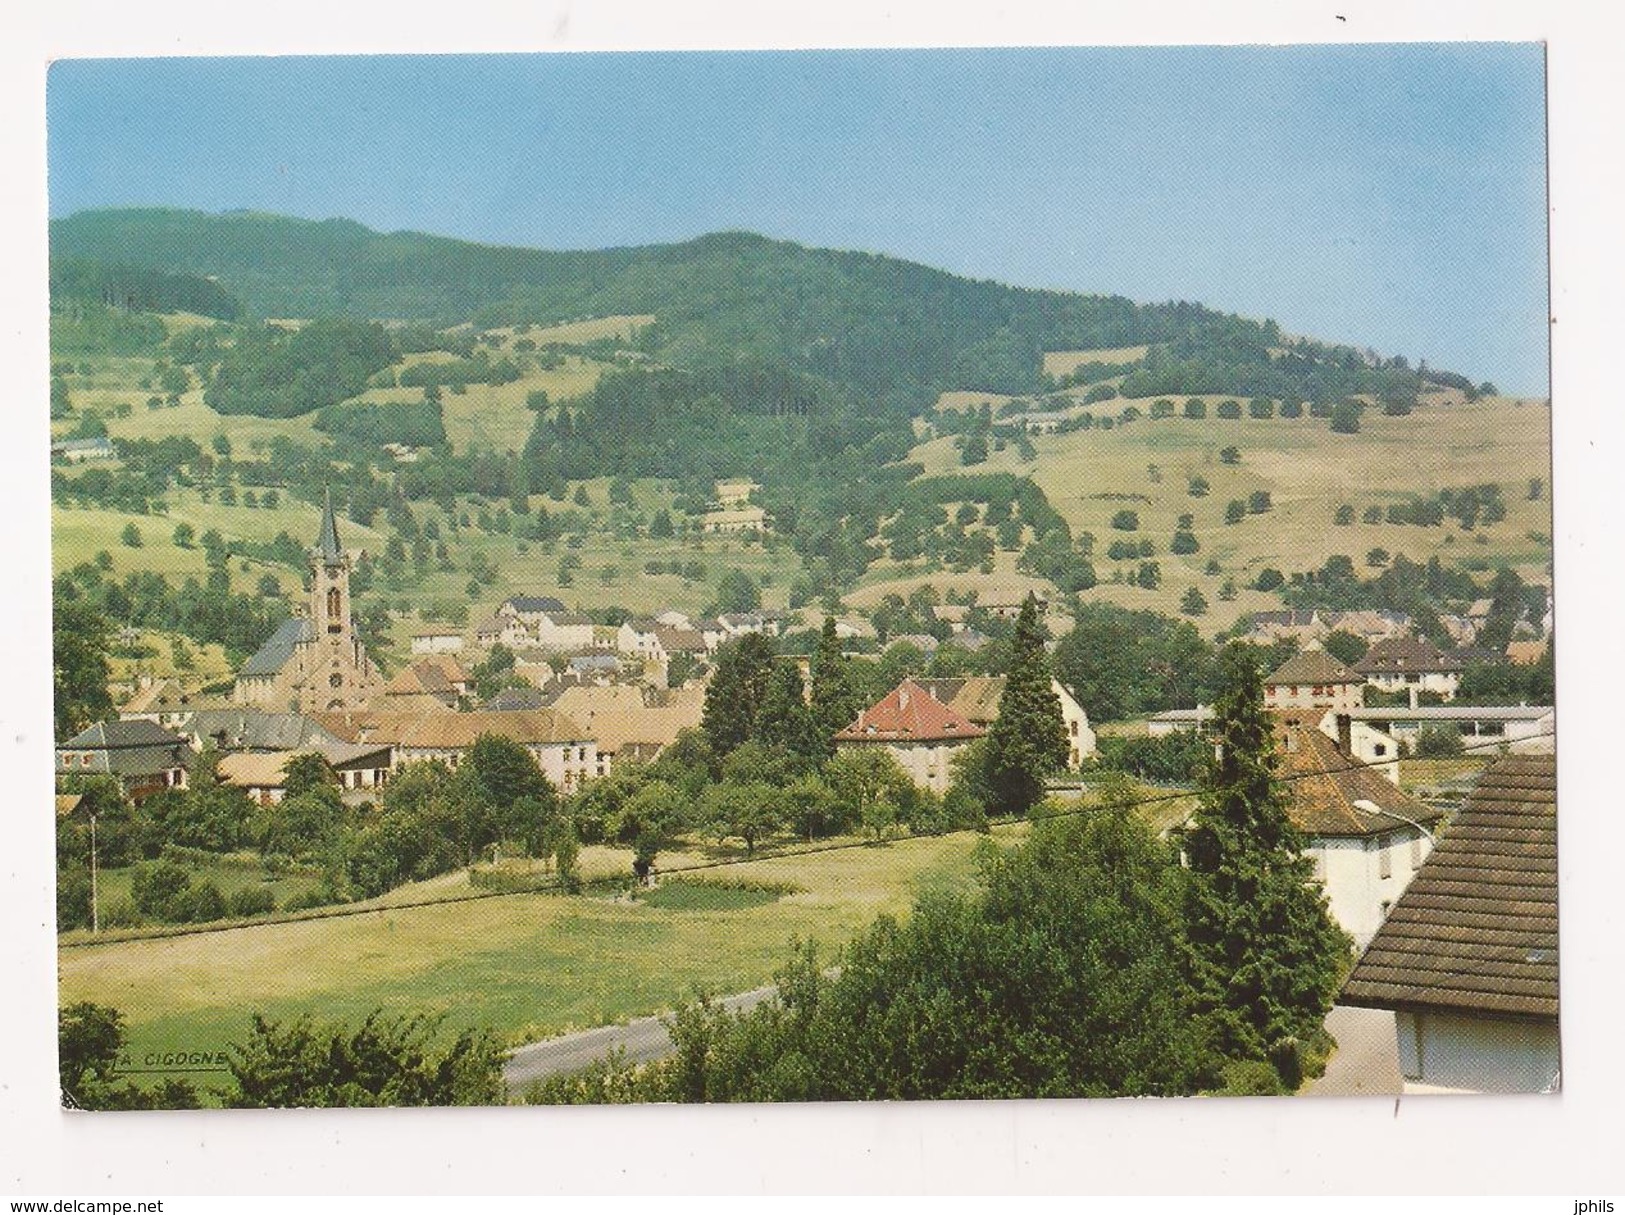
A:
(526, 965)
(1089, 476)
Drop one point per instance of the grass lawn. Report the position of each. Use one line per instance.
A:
(528, 966)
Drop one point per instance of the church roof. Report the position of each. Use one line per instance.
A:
(327, 543)
(271, 657)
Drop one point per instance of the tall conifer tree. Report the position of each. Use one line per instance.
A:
(732, 702)
(1267, 957)
(1027, 742)
(834, 699)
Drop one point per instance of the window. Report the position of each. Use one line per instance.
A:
(1379, 750)
(335, 680)
(1385, 858)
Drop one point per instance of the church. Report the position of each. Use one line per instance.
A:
(314, 662)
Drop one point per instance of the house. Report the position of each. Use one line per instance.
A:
(142, 755)
(437, 681)
(920, 732)
(437, 641)
(672, 618)
(514, 699)
(969, 639)
(595, 667)
(1174, 721)
(735, 493)
(1361, 741)
(630, 721)
(502, 630)
(1521, 729)
(564, 632)
(531, 609)
(567, 754)
(314, 661)
(739, 519)
(163, 701)
(1467, 960)
(737, 624)
(76, 451)
(1007, 604)
(977, 699)
(262, 774)
(1369, 624)
(1366, 837)
(1266, 628)
(245, 729)
(1400, 664)
(1526, 653)
(1313, 679)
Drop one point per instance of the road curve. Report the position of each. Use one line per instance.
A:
(643, 1039)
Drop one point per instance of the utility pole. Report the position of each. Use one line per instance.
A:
(95, 906)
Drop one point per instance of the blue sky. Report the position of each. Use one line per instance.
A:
(1390, 196)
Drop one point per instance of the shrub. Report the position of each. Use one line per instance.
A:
(1126, 521)
(1229, 410)
(252, 900)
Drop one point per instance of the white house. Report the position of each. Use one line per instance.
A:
(437, 641)
(1313, 679)
(977, 698)
(1174, 721)
(1401, 664)
(1363, 742)
(1367, 838)
(1467, 961)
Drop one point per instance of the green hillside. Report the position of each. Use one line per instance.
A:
(886, 331)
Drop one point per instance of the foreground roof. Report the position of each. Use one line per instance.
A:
(908, 713)
(1476, 931)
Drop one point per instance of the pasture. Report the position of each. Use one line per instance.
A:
(527, 965)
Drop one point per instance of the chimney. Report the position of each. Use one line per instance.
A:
(1345, 734)
(902, 698)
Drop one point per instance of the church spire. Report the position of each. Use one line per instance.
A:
(327, 543)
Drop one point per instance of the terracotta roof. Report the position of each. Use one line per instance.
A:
(1327, 786)
(1311, 667)
(1476, 931)
(678, 641)
(908, 713)
(1404, 655)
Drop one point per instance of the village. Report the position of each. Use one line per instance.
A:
(587, 701)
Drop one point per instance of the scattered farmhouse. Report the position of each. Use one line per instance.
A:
(738, 519)
(314, 661)
(142, 755)
(977, 699)
(76, 451)
(1410, 664)
(1312, 679)
(1366, 837)
(1467, 961)
(920, 732)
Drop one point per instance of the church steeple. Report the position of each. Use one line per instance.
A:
(327, 543)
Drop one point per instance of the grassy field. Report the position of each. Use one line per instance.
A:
(1058, 363)
(1308, 472)
(528, 966)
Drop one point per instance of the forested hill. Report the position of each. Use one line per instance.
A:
(880, 327)
(882, 331)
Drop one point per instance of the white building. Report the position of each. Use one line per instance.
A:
(437, 641)
(1521, 729)
(1468, 960)
(977, 698)
(920, 732)
(1367, 839)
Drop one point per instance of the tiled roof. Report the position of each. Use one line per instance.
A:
(1311, 667)
(255, 730)
(1476, 931)
(125, 748)
(535, 603)
(115, 735)
(622, 715)
(510, 699)
(975, 698)
(1407, 655)
(453, 731)
(908, 713)
(271, 657)
(1327, 786)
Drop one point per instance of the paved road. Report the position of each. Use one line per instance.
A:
(642, 1040)
(1366, 1062)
